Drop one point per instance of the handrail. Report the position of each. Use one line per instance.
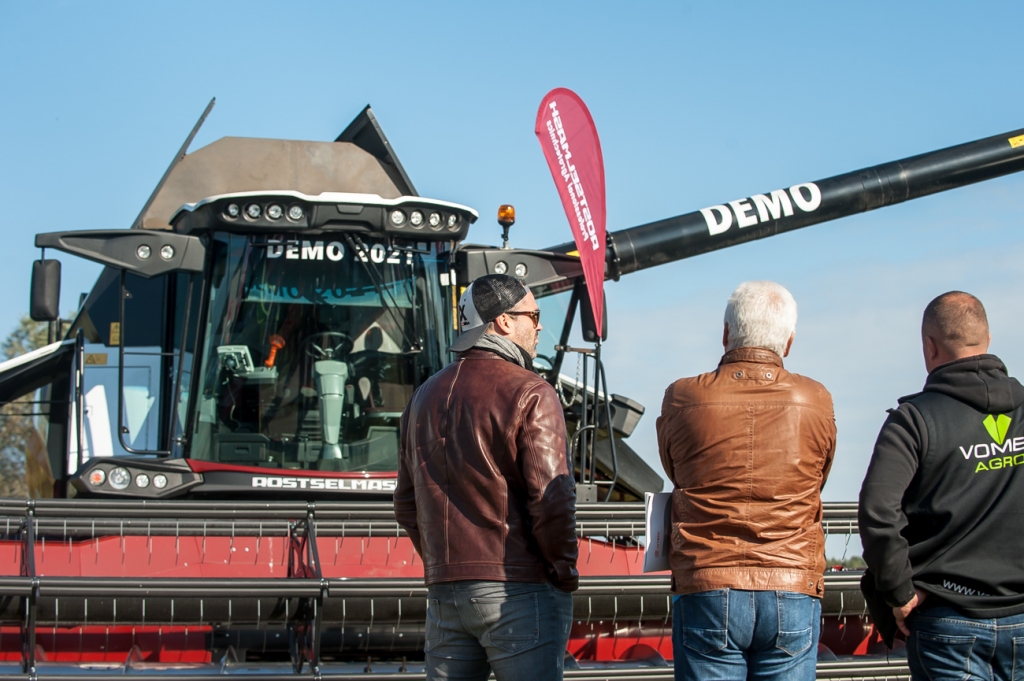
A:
(93, 517)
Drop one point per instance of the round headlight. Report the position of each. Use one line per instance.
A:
(295, 213)
(397, 218)
(143, 251)
(253, 210)
(520, 269)
(97, 477)
(142, 480)
(120, 478)
(500, 267)
(416, 218)
(274, 211)
(453, 222)
(232, 211)
(160, 481)
(167, 252)
(435, 220)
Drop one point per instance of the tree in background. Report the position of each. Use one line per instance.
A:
(17, 429)
(851, 563)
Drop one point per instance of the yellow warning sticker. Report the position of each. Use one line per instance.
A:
(97, 358)
(1017, 141)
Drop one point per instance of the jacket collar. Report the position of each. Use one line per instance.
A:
(477, 352)
(755, 355)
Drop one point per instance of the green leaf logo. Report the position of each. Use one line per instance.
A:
(997, 426)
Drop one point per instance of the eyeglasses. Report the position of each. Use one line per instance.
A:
(532, 314)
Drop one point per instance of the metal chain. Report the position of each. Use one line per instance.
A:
(576, 388)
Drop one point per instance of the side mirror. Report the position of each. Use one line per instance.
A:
(44, 305)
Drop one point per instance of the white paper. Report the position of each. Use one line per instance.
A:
(658, 517)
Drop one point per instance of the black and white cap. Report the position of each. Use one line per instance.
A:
(484, 300)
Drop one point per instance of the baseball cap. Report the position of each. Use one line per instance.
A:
(484, 300)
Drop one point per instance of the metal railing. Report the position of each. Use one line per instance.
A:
(367, 518)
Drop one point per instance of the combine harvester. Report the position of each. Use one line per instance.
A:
(213, 444)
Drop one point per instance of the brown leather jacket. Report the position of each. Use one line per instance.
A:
(484, 490)
(748, 448)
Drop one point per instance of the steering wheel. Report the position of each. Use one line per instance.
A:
(544, 360)
(328, 345)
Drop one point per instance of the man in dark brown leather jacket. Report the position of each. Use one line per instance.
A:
(485, 494)
(748, 448)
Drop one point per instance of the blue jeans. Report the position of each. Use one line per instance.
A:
(519, 630)
(737, 635)
(944, 644)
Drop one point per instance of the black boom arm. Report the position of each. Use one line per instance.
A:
(783, 210)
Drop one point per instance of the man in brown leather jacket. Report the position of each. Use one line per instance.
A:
(748, 448)
(485, 494)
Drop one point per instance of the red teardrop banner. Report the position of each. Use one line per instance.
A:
(569, 139)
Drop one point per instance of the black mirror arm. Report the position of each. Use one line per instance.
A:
(147, 253)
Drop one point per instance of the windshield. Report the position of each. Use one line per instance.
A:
(553, 309)
(313, 349)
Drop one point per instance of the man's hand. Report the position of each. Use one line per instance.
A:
(903, 612)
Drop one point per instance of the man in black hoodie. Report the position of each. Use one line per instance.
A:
(942, 505)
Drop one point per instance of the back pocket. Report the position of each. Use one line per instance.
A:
(511, 623)
(705, 617)
(943, 656)
(1018, 660)
(797, 618)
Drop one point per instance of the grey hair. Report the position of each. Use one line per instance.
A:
(760, 314)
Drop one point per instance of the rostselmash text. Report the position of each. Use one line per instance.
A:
(328, 484)
(762, 208)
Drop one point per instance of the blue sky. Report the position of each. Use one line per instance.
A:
(695, 104)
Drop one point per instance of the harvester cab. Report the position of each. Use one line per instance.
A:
(260, 332)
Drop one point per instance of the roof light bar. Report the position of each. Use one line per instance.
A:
(253, 212)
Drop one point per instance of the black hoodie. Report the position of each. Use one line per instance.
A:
(942, 505)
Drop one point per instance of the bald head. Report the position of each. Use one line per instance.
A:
(954, 326)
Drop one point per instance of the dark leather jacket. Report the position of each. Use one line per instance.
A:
(484, 490)
(748, 447)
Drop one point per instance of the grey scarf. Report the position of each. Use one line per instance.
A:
(505, 349)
